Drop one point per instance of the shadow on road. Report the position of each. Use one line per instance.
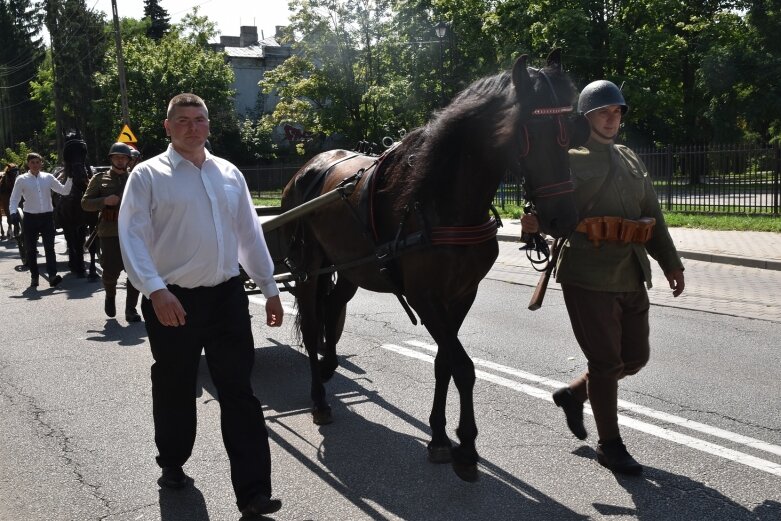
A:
(659, 494)
(379, 470)
(186, 504)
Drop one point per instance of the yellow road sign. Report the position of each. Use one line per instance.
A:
(126, 136)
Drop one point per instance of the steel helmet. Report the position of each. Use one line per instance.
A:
(598, 94)
(122, 149)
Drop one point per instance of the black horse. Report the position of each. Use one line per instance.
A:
(76, 223)
(418, 224)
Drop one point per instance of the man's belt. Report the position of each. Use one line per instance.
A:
(617, 229)
(109, 214)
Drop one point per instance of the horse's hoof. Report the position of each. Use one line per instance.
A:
(439, 454)
(466, 471)
(322, 416)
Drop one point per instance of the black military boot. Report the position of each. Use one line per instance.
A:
(573, 410)
(614, 456)
(110, 306)
(131, 315)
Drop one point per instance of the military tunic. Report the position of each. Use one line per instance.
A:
(613, 265)
(100, 187)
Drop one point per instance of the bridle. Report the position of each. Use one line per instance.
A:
(558, 111)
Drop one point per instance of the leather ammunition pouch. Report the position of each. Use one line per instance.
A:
(109, 214)
(617, 229)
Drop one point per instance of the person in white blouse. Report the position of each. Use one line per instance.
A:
(186, 221)
(35, 188)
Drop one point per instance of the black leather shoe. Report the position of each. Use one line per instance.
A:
(573, 409)
(53, 281)
(34, 281)
(173, 477)
(260, 505)
(132, 316)
(110, 306)
(614, 456)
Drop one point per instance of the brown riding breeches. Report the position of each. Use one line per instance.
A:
(612, 331)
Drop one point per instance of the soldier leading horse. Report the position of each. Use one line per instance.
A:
(420, 215)
(68, 213)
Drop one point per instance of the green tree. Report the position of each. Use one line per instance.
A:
(156, 72)
(21, 52)
(79, 39)
(158, 17)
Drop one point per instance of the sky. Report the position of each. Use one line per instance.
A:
(229, 15)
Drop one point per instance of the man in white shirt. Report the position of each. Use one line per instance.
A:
(186, 221)
(36, 188)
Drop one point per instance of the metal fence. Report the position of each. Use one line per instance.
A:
(268, 181)
(737, 179)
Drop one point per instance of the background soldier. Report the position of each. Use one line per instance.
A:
(104, 194)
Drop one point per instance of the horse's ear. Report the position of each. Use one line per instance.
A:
(554, 58)
(521, 78)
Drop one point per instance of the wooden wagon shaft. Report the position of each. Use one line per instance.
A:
(308, 207)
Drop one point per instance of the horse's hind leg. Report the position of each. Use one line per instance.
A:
(307, 298)
(334, 313)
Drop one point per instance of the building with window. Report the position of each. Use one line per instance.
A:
(250, 58)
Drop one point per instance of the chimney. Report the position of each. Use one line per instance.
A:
(249, 35)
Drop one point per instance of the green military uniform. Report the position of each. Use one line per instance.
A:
(603, 284)
(613, 265)
(100, 187)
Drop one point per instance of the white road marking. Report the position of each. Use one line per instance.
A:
(667, 434)
(639, 409)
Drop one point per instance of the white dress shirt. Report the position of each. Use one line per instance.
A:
(36, 190)
(189, 226)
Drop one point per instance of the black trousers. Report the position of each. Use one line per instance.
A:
(42, 224)
(217, 321)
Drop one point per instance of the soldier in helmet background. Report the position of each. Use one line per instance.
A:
(603, 270)
(104, 194)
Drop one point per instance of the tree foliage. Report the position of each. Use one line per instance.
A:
(160, 21)
(156, 71)
(21, 51)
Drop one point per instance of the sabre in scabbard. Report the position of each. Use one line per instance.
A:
(542, 284)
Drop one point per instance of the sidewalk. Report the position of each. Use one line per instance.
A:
(749, 249)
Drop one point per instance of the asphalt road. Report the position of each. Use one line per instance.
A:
(77, 442)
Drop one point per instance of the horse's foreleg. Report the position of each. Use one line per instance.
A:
(335, 310)
(440, 446)
(452, 360)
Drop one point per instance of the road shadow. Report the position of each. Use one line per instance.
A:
(186, 504)
(377, 469)
(121, 334)
(658, 494)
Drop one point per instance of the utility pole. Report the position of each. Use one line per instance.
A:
(120, 65)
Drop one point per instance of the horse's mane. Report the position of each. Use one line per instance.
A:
(485, 114)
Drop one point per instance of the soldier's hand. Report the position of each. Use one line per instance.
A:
(168, 309)
(675, 278)
(13, 218)
(111, 200)
(530, 223)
